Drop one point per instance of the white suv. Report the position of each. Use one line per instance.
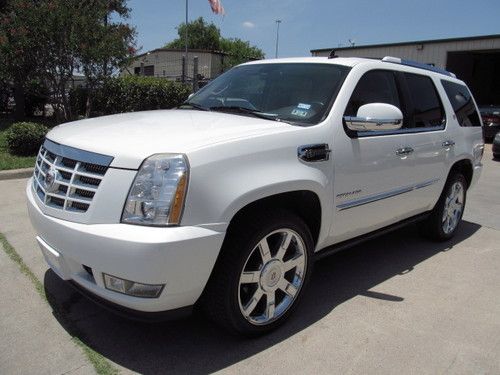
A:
(225, 202)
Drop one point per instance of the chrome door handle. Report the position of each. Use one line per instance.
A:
(447, 144)
(404, 151)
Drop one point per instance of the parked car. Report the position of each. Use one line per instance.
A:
(496, 146)
(491, 121)
(226, 202)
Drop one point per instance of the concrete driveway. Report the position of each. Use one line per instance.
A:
(397, 304)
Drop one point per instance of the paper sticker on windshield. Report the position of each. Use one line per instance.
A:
(304, 106)
(299, 112)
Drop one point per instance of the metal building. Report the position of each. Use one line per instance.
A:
(167, 63)
(476, 60)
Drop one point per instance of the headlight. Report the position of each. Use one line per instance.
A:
(157, 195)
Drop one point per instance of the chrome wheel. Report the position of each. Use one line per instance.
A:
(272, 276)
(453, 207)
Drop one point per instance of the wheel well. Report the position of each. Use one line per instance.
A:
(303, 203)
(465, 168)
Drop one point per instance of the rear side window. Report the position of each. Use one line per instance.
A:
(376, 86)
(427, 109)
(462, 103)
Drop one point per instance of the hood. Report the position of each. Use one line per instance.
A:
(131, 137)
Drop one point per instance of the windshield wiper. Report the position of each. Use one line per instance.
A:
(194, 105)
(244, 110)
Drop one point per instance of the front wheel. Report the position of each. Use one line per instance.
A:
(263, 268)
(447, 214)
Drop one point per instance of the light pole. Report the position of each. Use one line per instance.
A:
(277, 36)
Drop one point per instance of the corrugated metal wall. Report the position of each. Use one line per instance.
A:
(429, 53)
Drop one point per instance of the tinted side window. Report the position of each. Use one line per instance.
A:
(376, 86)
(461, 101)
(427, 108)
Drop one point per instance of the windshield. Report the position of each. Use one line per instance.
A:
(291, 92)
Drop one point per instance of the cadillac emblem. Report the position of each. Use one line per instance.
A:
(50, 179)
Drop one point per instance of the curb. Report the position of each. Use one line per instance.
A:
(16, 173)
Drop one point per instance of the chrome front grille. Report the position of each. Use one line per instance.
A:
(66, 178)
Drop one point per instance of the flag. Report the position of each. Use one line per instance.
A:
(216, 6)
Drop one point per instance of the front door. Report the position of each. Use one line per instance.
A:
(371, 171)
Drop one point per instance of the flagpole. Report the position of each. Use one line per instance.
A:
(186, 46)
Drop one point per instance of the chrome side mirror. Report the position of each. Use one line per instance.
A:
(190, 95)
(375, 117)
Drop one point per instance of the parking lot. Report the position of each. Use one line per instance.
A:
(397, 304)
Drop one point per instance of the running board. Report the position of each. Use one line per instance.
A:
(327, 251)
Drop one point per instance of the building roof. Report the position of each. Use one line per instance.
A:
(181, 50)
(429, 41)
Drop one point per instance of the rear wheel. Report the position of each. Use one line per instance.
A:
(262, 271)
(447, 214)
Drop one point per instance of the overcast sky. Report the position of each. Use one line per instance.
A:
(309, 24)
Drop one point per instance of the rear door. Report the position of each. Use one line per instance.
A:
(427, 137)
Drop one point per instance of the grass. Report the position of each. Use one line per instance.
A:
(12, 254)
(101, 365)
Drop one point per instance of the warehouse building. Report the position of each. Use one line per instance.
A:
(167, 63)
(475, 60)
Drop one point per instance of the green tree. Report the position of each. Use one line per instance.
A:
(106, 45)
(203, 35)
(21, 47)
(50, 40)
(81, 38)
(239, 51)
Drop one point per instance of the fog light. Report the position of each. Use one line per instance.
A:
(131, 288)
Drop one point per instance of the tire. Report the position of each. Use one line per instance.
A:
(242, 284)
(445, 218)
(496, 156)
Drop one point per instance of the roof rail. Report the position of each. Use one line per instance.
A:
(415, 64)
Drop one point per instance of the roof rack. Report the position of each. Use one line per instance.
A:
(415, 64)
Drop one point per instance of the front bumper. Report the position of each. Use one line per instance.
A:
(180, 257)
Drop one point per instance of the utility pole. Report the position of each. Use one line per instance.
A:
(277, 36)
(185, 60)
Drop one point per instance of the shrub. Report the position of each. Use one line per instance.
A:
(129, 94)
(25, 138)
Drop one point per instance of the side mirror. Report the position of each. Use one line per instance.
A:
(190, 95)
(375, 117)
